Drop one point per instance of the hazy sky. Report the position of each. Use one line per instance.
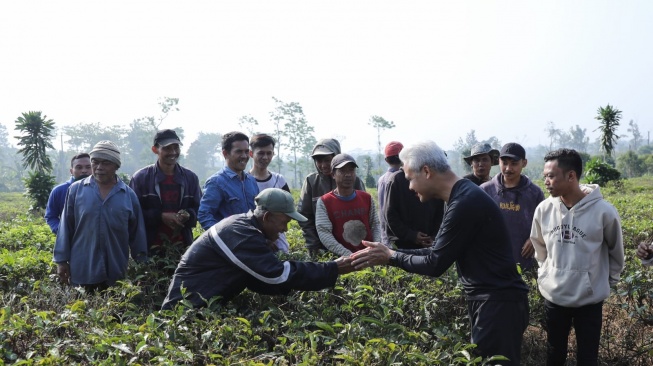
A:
(436, 68)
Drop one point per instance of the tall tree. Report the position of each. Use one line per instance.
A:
(203, 154)
(283, 115)
(299, 134)
(636, 141)
(609, 118)
(36, 137)
(249, 124)
(553, 133)
(380, 124)
(37, 132)
(83, 136)
(578, 139)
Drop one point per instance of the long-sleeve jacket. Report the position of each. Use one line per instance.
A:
(226, 194)
(579, 250)
(405, 215)
(145, 184)
(96, 236)
(55, 205)
(234, 255)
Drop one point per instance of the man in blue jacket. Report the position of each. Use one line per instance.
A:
(169, 195)
(80, 168)
(239, 253)
(231, 190)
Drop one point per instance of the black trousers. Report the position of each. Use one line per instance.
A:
(587, 322)
(498, 328)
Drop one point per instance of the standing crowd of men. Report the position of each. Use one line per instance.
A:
(492, 228)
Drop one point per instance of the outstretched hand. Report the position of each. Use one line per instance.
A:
(374, 255)
(344, 265)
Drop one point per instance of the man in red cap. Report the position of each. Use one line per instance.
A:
(391, 153)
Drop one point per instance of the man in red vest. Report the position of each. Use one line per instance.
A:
(346, 216)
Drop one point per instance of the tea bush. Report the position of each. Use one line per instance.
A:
(377, 316)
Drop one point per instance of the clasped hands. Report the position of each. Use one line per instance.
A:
(174, 220)
(373, 255)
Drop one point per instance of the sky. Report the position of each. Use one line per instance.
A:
(437, 69)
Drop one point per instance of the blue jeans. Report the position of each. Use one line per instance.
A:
(587, 324)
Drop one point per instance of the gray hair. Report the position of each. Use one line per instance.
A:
(426, 153)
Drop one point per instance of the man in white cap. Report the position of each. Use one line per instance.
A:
(239, 253)
(100, 225)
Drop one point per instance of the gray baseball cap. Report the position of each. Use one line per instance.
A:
(341, 160)
(278, 200)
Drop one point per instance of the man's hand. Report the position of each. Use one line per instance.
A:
(344, 265)
(645, 251)
(171, 220)
(63, 270)
(373, 255)
(423, 240)
(527, 251)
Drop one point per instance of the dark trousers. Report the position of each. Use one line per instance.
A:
(587, 324)
(498, 328)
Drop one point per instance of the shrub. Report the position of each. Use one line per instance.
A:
(598, 172)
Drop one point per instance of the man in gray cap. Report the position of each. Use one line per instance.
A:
(315, 185)
(481, 159)
(100, 225)
(345, 216)
(238, 253)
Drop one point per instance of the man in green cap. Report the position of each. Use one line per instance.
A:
(238, 253)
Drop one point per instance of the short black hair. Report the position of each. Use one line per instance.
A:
(229, 138)
(79, 156)
(393, 159)
(261, 140)
(568, 159)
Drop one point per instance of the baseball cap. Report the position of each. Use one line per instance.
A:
(278, 200)
(513, 150)
(166, 137)
(481, 149)
(393, 148)
(341, 160)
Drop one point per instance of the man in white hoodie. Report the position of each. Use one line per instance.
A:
(579, 248)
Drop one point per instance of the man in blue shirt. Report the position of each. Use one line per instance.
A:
(231, 190)
(80, 168)
(101, 224)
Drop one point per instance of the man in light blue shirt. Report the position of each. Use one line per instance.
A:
(231, 190)
(101, 224)
(80, 167)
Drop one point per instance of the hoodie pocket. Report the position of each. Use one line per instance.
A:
(565, 287)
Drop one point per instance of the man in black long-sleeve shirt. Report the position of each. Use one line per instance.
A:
(474, 236)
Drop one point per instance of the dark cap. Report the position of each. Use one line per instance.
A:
(278, 200)
(482, 149)
(513, 151)
(166, 137)
(341, 160)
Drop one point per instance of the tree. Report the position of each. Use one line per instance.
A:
(83, 136)
(578, 139)
(631, 165)
(464, 147)
(283, 115)
(37, 132)
(299, 134)
(203, 154)
(249, 124)
(553, 133)
(636, 141)
(380, 123)
(609, 117)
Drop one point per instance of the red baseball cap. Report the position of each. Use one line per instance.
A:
(393, 148)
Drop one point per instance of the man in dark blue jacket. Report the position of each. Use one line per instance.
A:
(237, 253)
(80, 168)
(169, 195)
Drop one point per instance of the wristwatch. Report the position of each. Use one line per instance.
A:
(394, 260)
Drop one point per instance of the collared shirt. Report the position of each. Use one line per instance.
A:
(55, 205)
(96, 236)
(225, 194)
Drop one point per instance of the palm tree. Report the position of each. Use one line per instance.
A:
(37, 134)
(609, 117)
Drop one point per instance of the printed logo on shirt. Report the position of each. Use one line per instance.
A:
(511, 206)
(568, 234)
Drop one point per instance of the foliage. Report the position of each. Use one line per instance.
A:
(203, 154)
(637, 139)
(380, 123)
(609, 117)
(249, 124)
(37, 132)
(598, 172)
(630, 164)
(39, 185)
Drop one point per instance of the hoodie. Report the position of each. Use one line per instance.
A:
(579, 250)
(315, 186)
(517, 205)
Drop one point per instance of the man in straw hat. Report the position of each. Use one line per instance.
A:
(100, 225)
(238, 253)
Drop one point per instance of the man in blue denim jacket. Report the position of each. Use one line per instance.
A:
(231, 190)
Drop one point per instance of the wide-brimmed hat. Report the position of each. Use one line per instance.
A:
(482, 149)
